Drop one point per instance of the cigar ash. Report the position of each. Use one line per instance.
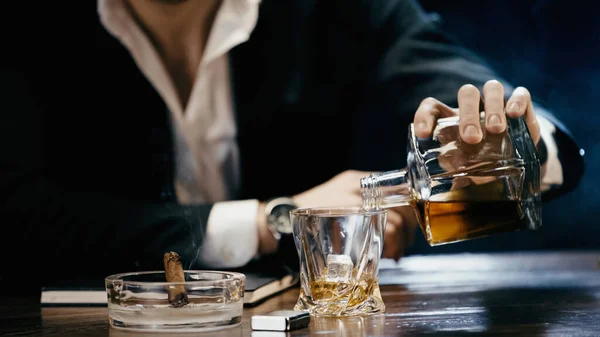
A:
(177, 299)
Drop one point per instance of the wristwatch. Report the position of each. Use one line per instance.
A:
(279, 223)
(278, 217)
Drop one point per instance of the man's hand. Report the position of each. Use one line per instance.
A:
(344, 190)
(496, 112)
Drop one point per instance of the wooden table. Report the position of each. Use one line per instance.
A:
(528, 294)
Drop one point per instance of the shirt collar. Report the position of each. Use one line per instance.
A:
(233, 15)
(233, 24)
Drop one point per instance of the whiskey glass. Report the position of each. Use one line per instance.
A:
(339, 251)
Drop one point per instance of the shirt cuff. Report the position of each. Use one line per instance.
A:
(552, 173)
(231, 238)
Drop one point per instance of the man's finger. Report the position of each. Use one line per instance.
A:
(428, 112)
(495, 119)
(388, 245)
(409, 224)
(393, 241)
(394, 217)
(520, 104)
(468, 105)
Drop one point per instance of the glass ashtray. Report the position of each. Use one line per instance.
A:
(140, 301)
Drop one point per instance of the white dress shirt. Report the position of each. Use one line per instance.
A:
(207, 161)
(206, 153)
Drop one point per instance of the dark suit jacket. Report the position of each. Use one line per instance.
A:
(320, 87)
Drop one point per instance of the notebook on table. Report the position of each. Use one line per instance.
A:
(260, 285)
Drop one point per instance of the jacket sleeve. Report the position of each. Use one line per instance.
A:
(413, 59)
(51, 233)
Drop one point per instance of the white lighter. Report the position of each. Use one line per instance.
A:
(281, 320)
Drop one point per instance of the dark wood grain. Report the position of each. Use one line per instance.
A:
(526, 294)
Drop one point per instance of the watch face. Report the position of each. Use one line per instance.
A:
(280, 218)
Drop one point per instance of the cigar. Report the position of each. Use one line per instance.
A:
(174, 273)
